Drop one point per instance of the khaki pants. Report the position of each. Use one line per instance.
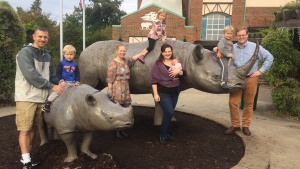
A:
(28, 114)
(235, 99)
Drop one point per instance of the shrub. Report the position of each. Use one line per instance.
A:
(11, 39)
(284, 73)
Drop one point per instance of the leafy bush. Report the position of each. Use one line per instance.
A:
(291, 6)
(284, 73)
(11, 39)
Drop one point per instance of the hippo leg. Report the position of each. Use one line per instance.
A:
(55, 135)
(69, 141)
(158, 115)
(43, 134)
(86, 141)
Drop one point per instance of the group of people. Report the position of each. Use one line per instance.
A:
(35, 77)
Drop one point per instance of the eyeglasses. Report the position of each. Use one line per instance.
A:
(241, 35)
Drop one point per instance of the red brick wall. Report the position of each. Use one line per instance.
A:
(185, 6)
(237, 19)
(265, 18)
(196, 17)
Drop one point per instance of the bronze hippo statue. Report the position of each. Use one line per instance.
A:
(202, 71)
(85, 109)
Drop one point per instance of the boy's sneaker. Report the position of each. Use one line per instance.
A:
(142, 59)
(46, 108)
(27, 165)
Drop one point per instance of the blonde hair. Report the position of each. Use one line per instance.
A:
(69, 48)
(228, 28)
(118, 47)
(161, 11)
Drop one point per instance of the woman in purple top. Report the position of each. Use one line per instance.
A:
(165, 86)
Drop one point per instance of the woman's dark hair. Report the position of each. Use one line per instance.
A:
(162, 49)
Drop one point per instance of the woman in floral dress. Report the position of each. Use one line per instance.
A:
(118, 74)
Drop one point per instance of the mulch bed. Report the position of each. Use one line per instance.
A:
(199, 143)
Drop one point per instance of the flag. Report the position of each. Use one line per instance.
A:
(80, 4)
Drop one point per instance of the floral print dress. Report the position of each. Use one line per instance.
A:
(118, 74)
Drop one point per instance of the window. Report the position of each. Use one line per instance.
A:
(213, 25)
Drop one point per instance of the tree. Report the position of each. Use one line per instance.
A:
(284, 73)
(103, 13)
(100, 15)
(73, 30)
(35, 18)
(11, 40)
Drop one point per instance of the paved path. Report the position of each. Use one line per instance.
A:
(274, 143)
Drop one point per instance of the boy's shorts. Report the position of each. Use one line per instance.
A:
(28, 114)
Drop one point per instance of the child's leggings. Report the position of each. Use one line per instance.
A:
(151, 44)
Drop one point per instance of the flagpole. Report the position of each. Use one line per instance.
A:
(61, 29)
(83, 25)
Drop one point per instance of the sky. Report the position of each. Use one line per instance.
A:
(53, 6)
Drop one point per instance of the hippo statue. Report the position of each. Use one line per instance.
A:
(85, 109)
(202, 71)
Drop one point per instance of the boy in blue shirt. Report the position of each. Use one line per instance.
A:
(67, 72)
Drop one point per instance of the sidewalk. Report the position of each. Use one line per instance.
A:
(274, 143)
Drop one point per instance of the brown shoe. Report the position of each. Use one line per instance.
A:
(232, 129)
(246, 131)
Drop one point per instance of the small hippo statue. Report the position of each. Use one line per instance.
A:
(85, 109)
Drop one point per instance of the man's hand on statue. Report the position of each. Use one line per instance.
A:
(58, 89)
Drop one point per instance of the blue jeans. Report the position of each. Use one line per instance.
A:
(168, 103)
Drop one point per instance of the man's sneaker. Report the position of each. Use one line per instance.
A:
(35, 161)
(142, 59)
(27, 165)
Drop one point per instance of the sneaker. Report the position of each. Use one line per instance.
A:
(34, 161)
(163, 140)
(118, 134)
(124, 134)
(27, 165)
(171, 138)
(224, 85)
(142, 59)
(46, 108)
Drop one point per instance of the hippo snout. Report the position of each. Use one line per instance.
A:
(118, 116)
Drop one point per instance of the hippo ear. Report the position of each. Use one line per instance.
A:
(198, 53)
(90, 100)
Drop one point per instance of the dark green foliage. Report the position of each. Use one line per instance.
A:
(284, 73)
(35, 18)
(11, 40)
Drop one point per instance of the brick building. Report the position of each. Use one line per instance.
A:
(196, 21)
